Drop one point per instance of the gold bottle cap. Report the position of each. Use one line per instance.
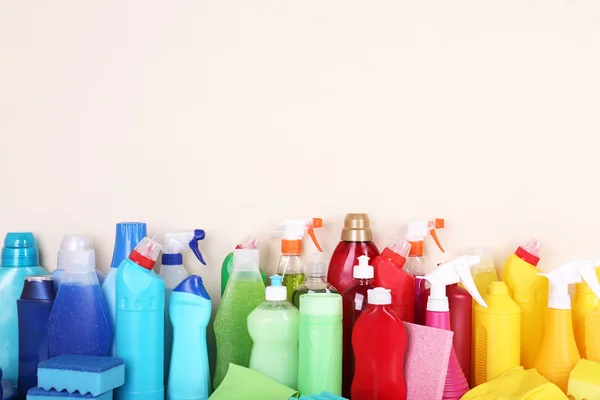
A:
(357, 228)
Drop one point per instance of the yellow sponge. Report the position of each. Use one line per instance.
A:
(584, 382)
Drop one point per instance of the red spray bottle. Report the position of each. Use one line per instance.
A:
(389, 274)
(357, 240)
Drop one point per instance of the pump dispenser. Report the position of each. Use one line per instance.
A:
(291, 266)
(438, 313)
(558, 354)
(314, 282)
(416, 263)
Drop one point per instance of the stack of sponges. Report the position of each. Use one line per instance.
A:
(78, 377)
(584, 381)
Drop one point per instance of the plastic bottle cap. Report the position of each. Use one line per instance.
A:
(397, 251)
(20, 250)
(76, 254)
(363, 270)
(316, 268)
(127, 236)
(192, 285)
(529, 252)
(245, 260)
(497, 287)
(379, 296)
(321, 305)
(276, 292)
(146, 253)
(38, 287)
(357, 228)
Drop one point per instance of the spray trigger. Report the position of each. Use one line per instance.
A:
(199, 234)
(316, 223)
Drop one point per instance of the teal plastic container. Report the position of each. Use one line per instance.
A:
(141, 324)
(320, 352)
(190, 309)
(20, 258)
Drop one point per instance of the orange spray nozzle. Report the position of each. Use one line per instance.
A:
(437, 223)
(419, 229)
(316, 223)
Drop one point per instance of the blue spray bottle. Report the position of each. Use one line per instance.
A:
(19, 259)
(190, 310)
(128, 235)
(79, 321)
(34, 308)
(141, 324)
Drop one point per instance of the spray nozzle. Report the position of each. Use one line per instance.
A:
(576, 271)
(447, 273)
(418, 230)
(294, 230)
(175, 243)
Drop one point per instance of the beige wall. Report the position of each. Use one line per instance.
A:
(231, 116)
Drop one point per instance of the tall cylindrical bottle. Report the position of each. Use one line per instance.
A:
(592, 338)
(379, 343)
(34, 309)
(357, 240)
(127, 236)
(245, 291)
(496, 335)
(189, 373)
(141, 324)
(584, 302)
(320, 351)
(273, 326)
(19, 259)
(389, 274)
(530, 292)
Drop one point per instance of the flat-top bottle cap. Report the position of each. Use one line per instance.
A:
(379, 296)
(497, 287)
(38, 287)
(363, 270)
(357, 228)
(20, 250)
(321, 305)
(76, 254)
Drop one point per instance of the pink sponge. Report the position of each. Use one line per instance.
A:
(426, 361)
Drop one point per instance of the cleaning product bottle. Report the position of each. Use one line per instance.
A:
(128, 235)
(416, 263)
(34, 308)
(190, 309)
(291, 265)
(353, 300)
(79, 322)
(389, 274)
(357, 240)
(438, 313)
(245, 291)
(484, 273)
(19, 259)
(496, 335)
(273, 326)
(249, 242)
(592, 339)
(379, 343)
(57, 275)
(320, 344)
(584, 302)
(558, 353)
(141, 324)
(314, 281)
(530, 292)
(173, 273)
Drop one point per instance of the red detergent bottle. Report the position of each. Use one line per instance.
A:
(354, 300)
(379, 343)
(357, 240)
(390, 275)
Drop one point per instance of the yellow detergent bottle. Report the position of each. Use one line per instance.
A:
(530, 292)
(558, 354)
(496, 335)
(584, 302)
(592, 335)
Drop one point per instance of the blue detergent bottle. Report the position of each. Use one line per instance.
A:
(19, 259)
(79, 321)
(127, 236)
(141, 324)
(34, 309)
(190, 309)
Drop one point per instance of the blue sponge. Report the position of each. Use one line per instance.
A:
(37, 393)
(84, 374)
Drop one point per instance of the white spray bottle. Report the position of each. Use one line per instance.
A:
(438, 313)
(558, 353)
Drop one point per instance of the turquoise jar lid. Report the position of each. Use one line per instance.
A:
(20, 250)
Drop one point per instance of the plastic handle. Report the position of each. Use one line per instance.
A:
(433, 225)
(464, 272)
(199, 234)
(316, 223)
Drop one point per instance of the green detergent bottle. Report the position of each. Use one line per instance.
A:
(320, 344)
(273, 326)
(249, 242)
(244, 292)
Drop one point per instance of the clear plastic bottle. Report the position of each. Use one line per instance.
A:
(273, 326)
(249, 242)
(314, 282)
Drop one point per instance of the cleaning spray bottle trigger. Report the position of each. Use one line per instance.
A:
(294, 229)
(437, 223)
(576, 271)
(199, 234)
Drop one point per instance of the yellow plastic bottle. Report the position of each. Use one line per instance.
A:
(558, 354)
(592, 335)
(584, 302)
(496, 335)
(484, 273)
(530, 292)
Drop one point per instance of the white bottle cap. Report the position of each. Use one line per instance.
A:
(379, 296)
(363, 270)
(76, 254)
(276, 292)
